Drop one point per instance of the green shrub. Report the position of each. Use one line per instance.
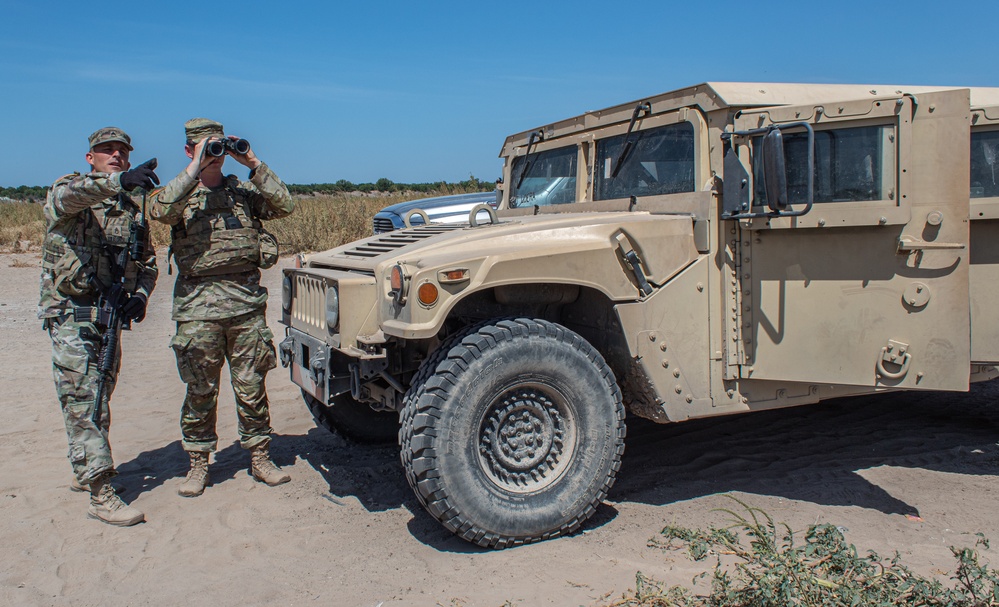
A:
(817, 568)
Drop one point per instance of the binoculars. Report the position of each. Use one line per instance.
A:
(220, 146)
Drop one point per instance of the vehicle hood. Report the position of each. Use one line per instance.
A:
(664, 242)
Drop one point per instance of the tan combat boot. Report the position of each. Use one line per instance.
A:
(197, 476)
(75, 485)
(264, 469)
(106, 506)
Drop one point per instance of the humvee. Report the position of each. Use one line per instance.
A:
(717, 249)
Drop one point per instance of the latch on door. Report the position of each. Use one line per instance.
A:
(895, 354)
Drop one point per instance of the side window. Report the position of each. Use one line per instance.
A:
(848, 166)
(984, 154)
(544, 178)
(659, 161)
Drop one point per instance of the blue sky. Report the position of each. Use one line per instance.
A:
(423, 91)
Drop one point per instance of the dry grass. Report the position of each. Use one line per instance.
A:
(21, 223)
(318, 223)
(324, 222)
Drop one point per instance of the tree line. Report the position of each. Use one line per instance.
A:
(472, 184)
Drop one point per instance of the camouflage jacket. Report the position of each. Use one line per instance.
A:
(89, 219)
(191, 209)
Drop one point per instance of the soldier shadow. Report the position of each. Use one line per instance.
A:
(151, 469)
(814, 453)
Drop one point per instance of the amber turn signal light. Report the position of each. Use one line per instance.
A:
(427, 294)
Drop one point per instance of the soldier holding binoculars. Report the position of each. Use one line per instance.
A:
(219, 246)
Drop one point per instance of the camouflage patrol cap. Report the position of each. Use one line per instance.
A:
(197, 129)
(110, 133)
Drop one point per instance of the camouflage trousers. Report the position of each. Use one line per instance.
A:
(202, 346)
(75, 346)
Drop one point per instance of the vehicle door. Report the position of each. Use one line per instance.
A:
(869, 286)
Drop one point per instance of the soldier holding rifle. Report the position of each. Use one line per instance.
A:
(98, 270)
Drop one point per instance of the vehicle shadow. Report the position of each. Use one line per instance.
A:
(371, 473)
(374, 476)
(814, 453)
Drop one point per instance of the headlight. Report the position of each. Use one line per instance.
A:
(332, 309)
(286, 293)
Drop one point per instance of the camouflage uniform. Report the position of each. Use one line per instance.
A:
(89, 219)
(219, 305)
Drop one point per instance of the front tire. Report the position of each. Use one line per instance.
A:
(513, 432)
(351, 419)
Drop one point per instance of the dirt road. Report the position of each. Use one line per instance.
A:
(912, 472)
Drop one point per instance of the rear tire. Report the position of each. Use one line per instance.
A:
(356, 421)
(513, 432)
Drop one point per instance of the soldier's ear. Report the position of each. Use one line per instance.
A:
(90, 159)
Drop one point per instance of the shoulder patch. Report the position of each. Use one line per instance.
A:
(65, 179)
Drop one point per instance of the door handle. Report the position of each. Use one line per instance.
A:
(908, 243)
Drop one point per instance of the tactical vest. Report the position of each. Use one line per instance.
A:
(82, 249)
(220, 235)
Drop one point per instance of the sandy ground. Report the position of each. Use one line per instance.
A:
(912, 472)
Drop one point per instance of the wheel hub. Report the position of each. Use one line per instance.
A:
(521, 441)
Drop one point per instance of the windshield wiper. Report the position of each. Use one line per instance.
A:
(535, 136)
(644, 106)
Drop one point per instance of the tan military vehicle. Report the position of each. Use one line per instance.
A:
(717, 249)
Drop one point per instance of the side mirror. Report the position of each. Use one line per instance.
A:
(774, 170)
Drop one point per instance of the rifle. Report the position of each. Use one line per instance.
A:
(112, 303)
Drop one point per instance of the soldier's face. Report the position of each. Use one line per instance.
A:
(110, 157)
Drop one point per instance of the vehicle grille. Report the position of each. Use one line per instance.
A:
(382, 225)
(308, 309)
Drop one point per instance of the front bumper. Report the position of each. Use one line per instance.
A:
(326, 372)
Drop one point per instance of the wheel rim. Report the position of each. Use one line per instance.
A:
(526, 438)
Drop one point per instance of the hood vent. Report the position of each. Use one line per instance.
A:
(373, 247)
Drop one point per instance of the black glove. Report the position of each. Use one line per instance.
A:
(141, 176)
(134, 308)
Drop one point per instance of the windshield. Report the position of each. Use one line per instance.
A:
(659, 161)
(544, 178)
